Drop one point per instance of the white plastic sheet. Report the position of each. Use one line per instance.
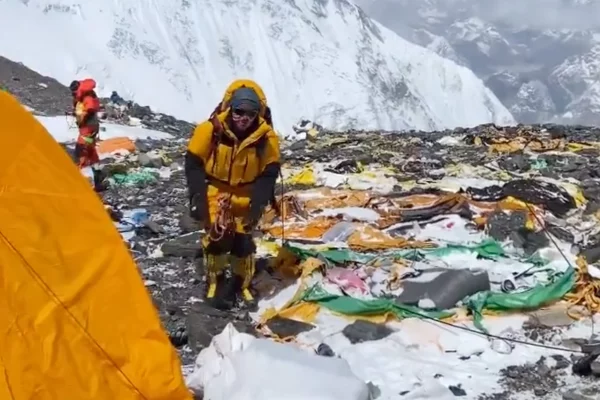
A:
(237, 366)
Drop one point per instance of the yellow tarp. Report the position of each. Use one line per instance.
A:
(76, 322)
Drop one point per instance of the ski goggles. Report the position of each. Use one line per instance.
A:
(241, 112)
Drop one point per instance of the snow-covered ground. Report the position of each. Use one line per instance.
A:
(64, 130)
(419, 361)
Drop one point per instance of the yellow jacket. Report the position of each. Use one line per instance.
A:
(246, 169)
(230, 161)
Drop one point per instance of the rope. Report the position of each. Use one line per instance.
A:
(70, 124)
(588, 296)
(224, 221)
(491, 336)
(586, 291)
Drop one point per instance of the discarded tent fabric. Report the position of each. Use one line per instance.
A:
(351, 306)
(139, 178)
(549, 195)
(476, 304)
(116, 145)
(528, 300)
(444, 289)
(489, 249)
(78, 321)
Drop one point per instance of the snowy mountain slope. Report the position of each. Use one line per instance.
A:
(579, 77)
(542, 68)
(319, 59)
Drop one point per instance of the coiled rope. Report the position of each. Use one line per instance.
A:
(224, 221)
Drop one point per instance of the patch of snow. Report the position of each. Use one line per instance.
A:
(357, 213)
(63, 130)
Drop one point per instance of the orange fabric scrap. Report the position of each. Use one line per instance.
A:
(116, 144)
(370, 238)
(302, 230)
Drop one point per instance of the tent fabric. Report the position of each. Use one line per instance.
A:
(489, 249)
(77, 322)
(531, 299)
(536, 297)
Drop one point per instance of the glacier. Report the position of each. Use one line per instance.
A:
(322, 60)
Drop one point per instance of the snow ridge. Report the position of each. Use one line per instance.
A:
(323, 60)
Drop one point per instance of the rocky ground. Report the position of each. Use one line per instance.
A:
(46, 96)
(166, 249)
(168, 256)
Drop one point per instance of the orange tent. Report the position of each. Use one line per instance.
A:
(77, 322)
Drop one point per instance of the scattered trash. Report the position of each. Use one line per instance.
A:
(139, 178)
(377, 230)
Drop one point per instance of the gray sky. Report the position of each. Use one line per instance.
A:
(544, 14)
(537, 14)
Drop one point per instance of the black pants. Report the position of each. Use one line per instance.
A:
(237, 244)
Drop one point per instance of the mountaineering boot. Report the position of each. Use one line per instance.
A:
(214, 265)
(243, 272)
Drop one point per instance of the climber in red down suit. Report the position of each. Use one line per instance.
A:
(86, 108)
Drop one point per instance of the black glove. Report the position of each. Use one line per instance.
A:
(198, 209)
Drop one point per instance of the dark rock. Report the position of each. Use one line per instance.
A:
(185, 246)
(178, 338)
(561, 361)
(515, 162)
(363, 331)
(592, 207)
(284, 327)
(583, 366)
(325, 351)
(502, 226)
(457, 390)
(204, 322)
(187, 224)
(45, 95)
(560, 233)
(145, 160)
(374, 391)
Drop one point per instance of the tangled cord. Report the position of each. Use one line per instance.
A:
(586, 291)
(224, 221)
(71, 123)
(585, 294)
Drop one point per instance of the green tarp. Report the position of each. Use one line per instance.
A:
(529, 300)
(489, 249)
(352, 306)
(138, 178)
(476, 304)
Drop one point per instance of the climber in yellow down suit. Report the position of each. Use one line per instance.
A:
(231, 166)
